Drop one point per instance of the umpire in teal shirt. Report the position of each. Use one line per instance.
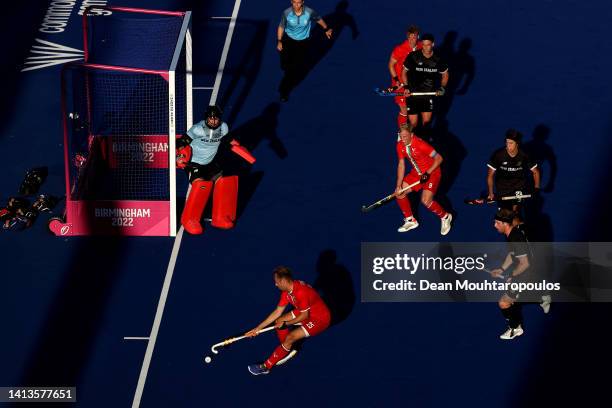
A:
(293, 36)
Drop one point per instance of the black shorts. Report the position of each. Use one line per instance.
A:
(210, 171)
(515, 294)
(418, 104)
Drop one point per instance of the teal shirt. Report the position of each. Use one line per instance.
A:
(298, 27)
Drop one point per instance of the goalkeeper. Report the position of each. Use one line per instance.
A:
(200, 152)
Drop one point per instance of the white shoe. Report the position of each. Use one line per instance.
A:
(409, 223)
(446, 224)
(511, 333)
(291, 354)
(545, 305)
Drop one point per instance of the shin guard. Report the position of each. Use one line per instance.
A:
(225, 200)
(194, 207)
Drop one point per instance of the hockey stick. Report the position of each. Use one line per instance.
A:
(392, 91)
(231, 340)
(387, 198)
(481, 201)
(502, 276)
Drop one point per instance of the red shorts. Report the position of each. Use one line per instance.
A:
(315, 324)
(400, 100)
(432, 184)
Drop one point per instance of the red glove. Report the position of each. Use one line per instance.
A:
(183, 156)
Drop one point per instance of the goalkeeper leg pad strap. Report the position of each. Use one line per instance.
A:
(194, 207)
(225, 200)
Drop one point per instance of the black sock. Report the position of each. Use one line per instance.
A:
(516, 315)
(507, 313)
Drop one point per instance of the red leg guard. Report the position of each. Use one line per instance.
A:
(194, 207)
(224, 202)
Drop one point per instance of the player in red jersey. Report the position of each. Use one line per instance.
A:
(309, 312)
(396, 66)
(426, 169)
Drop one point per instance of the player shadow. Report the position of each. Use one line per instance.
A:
(243, 65)
(453, 152)
(320, 45)
(335, 284)
(541, 152)
(539, 224)
(461, 68)
(74, 318)
(250, 135)
(575, 350)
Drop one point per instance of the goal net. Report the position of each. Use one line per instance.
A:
(122, 111)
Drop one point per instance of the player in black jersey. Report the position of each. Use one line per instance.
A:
(423, 71)
(518, 262)
(509, 168)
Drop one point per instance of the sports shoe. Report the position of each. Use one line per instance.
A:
(446, 223)
(545, 304)
(289, 356)
(409, 223)
(511, 333)
(258, 369)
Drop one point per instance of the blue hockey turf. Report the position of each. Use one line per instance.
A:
(538, 66)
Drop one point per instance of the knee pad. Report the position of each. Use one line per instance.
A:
(225, 198)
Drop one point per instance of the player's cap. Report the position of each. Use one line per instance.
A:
(514, 134)
(427, 37)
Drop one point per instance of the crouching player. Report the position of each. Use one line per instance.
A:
(309, 312)
(200, 152)
(426, 171)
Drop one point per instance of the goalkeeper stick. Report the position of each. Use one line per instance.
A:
(481, 201)
(231, 340)
(387, 198)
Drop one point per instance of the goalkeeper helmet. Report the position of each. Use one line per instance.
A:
(213, 111)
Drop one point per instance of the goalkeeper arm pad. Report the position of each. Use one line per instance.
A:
(242, 152)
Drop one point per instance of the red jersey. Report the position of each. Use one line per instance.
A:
(419, 153)
(400, 53)
(303, 297)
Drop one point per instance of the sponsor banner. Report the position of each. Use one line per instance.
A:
(141, 151)
(469, 271)
(59, 17)
(139, 218)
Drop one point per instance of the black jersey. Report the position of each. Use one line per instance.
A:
(510, 172)
(424, 73)
(518, 245)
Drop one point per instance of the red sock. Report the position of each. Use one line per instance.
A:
(279, 353)
(436, 208)
(282, 334)
(401, 120)
(404, 205)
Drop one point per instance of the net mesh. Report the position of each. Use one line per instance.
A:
(131, 39)
(118, 134)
